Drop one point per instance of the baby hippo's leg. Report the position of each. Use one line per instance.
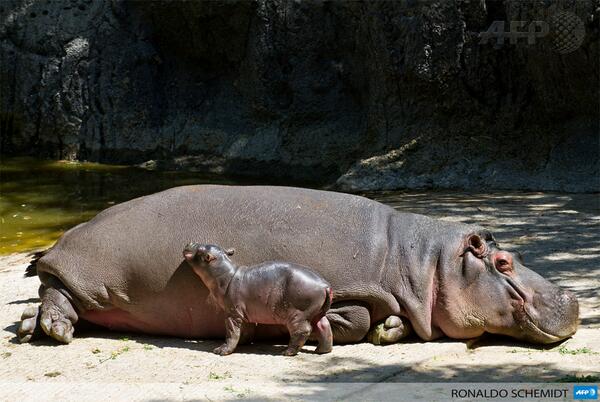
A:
(323, 335)
(299, 332)
(233, 328)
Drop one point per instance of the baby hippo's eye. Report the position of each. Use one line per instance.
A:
(503, 262)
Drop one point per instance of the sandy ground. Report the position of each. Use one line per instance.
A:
(558, 235)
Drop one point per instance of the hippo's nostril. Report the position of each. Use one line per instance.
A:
(569, 297)
(556, 313)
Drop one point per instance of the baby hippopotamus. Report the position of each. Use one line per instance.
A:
(272, 292)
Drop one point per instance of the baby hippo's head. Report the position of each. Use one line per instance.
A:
(203, 254)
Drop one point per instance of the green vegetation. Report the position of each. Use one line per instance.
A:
(215, 376)
(524, 350)
(564, 351)
(53, 374)
(116, 354)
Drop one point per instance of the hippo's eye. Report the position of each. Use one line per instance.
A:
(503, 262)
(503, 265)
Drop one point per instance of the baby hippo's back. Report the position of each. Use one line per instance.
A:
(276, 292)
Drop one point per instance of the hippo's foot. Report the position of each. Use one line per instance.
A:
(29, 329)
(299, 333)
(290, 351)
(58, 315)
(391, 330)
(233, 329)
(223, 350)
(57, 327)
(322, 332)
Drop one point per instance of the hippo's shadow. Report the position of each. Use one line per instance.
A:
(12, 328)
(271, 346)
(274, 346)
(493, 340)
(26, 301)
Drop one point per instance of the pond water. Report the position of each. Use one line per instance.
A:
(39, 199)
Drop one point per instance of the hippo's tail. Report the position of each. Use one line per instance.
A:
(31, 269)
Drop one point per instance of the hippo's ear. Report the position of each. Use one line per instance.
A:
(230, 251)
(477, 246)
(188, 255)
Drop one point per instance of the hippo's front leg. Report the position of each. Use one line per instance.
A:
(391, 330)
(233, 328)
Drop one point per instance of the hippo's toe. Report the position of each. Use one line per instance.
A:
(290, 352)
(392, 330)
(29, 328)
(57, 326)
(223, 350)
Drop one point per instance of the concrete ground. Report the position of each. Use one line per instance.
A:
(558, 235)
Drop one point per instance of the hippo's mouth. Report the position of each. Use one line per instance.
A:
(528, 326)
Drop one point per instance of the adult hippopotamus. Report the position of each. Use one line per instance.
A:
(390, 270)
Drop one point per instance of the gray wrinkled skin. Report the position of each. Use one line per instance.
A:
(124, 269)
(272, 292)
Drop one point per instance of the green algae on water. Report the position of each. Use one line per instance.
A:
(40, 200)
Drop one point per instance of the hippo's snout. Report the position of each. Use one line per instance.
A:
(555, 314)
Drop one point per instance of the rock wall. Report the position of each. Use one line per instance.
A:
(363, 95)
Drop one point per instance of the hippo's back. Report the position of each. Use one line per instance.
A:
(130, 256)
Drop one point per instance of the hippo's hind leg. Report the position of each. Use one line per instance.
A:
(391, 330)
(322, 334)
(350, 321)
(56, 317)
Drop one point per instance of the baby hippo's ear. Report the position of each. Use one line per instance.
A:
(230, 251)
(188, 254)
